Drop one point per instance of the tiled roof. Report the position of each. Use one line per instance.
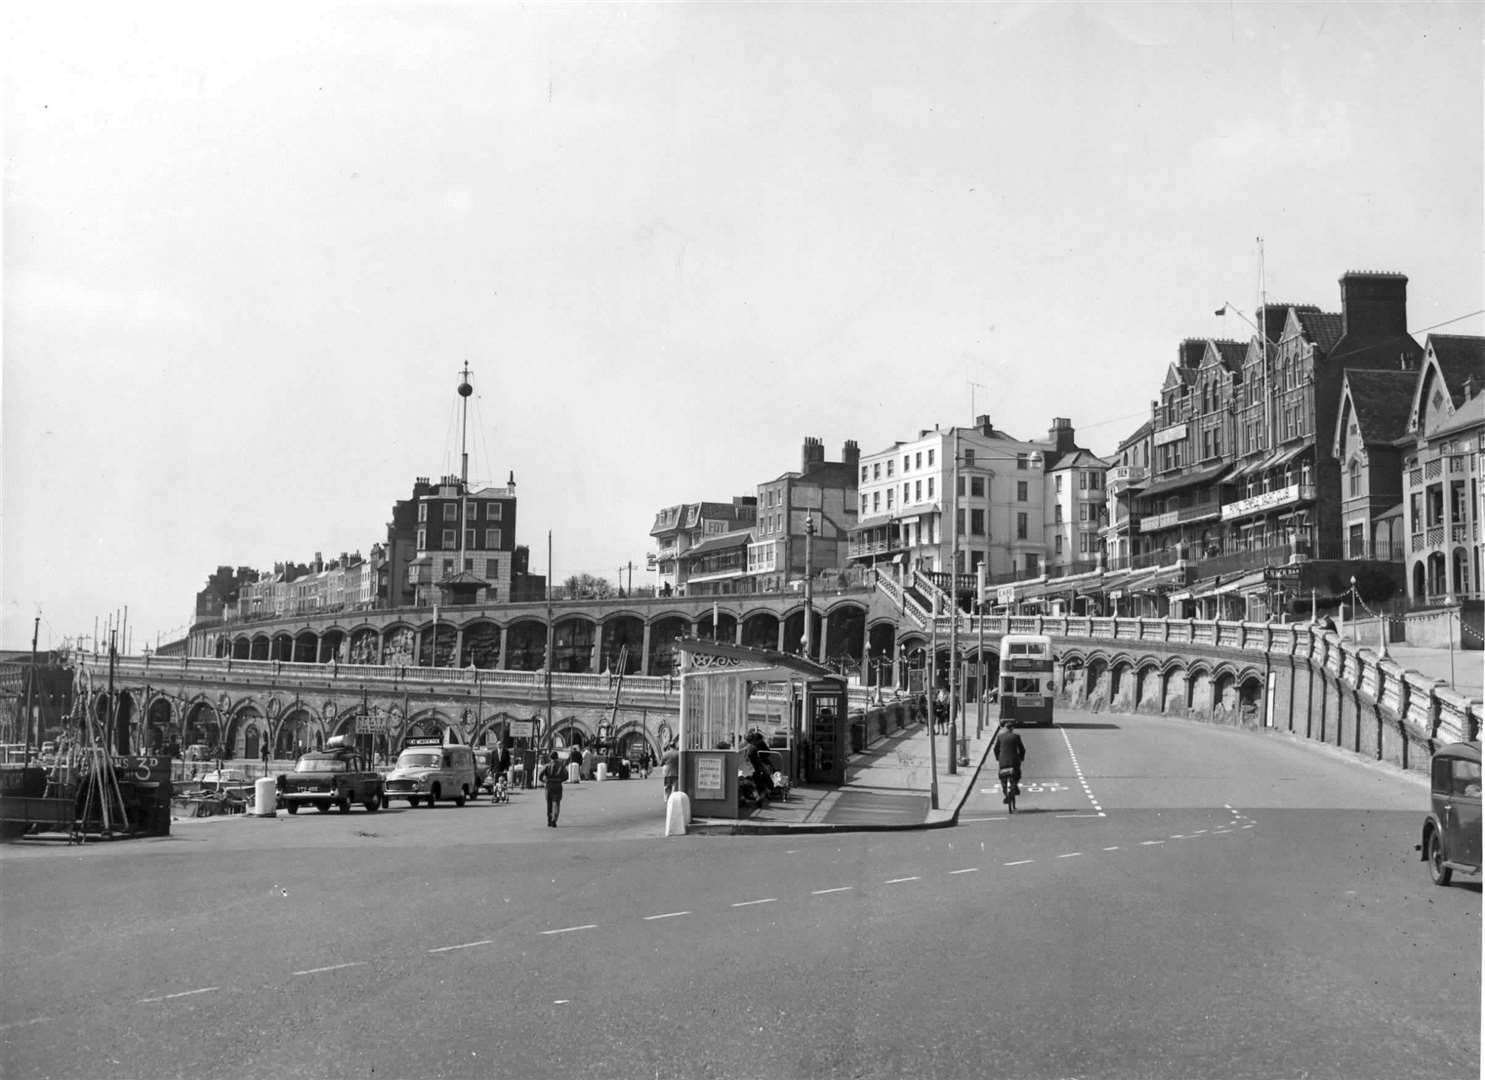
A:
(1460, 357)
(1190, 353)
(1230, 354)
(1139, 433)
(1323, 328)
(1382, 400)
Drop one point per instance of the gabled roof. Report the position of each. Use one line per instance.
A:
(1461, 357)
(1228, 354)
(1382, 401)
(1190, 352)
(1074, 458)
(1320, 328)
(1141, 432)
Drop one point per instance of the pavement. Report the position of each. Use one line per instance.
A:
(1463, 669)
(889, 786)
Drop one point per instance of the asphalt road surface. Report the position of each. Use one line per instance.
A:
(1170, 900)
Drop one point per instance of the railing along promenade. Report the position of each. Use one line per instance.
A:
(1428, 704)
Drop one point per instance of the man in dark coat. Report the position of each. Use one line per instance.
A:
(1009, 752)
(553, 776)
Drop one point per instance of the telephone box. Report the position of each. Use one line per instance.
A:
(825, 732)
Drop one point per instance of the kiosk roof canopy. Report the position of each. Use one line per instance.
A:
(722, 657)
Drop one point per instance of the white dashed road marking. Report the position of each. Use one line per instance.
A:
(900, 880)
(1150, 843)
(466, 945)
(1019, 862)
(750, 903)
(838, 888)
(667, 915)
(966, 870)
(332, 967)
(183, 993)
(566, 930)
(1070, 854)
(1078, 769)
(25, 1023)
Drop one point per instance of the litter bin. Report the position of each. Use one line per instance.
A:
(858, 734)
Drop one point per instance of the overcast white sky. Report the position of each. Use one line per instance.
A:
(246, 254)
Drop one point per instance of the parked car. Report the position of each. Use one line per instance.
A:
(335, 776)
(1451, 833)
(231, 782)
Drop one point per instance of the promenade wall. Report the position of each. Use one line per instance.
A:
(1290, 677)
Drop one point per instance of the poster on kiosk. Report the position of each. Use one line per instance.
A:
(728, 691)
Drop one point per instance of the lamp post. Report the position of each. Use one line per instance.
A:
(954, 608)
(932, 717)
(809, 586)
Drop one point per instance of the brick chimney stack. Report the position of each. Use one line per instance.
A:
(813, 454)
(850, 456)
(1374, 305)
(1061, 434)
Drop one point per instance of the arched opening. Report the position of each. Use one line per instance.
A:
(157, 731)
(664, 633)
(572, 644)
(526, 645)
(242, 648)
(725, 629)
(623, 633)
(1420, 582)
(203, 731)
(261, 648)
(332, 646)
(306, 647)
(1250, 702)
(1460, 571)
(845, 638)
(794, 632)
(761, 630)
(365, 647)
(1437, 581)
(880, 641)
(281, 647)
(397, 646)
(481, 647)
(297, 734)
(436, 644)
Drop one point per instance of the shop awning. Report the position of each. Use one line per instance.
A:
(724, 542)
(1219, 587)
(1186, 480)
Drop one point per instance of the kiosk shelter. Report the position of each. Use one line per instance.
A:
(728, 690)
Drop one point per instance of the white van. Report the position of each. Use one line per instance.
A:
(429, 769)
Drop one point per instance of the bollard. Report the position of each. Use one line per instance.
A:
(677, 813)
(601, 773)
(264, 800)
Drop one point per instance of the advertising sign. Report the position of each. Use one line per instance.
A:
(709, 783)
(521, 729)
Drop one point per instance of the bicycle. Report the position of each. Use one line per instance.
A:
(1008, 789)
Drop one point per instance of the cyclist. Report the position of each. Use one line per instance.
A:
(1009, 752)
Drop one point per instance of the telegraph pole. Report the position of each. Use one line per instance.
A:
(809, 587)
(954, 608)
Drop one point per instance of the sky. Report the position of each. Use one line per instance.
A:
(248, 249)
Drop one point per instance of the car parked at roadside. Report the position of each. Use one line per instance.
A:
(335, 776)
(1451, 833)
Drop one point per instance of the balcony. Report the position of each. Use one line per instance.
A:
(1269, 500)
(865, 549)
(1197, 512)
(1123, 477)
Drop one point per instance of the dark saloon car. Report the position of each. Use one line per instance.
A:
(1451, 835)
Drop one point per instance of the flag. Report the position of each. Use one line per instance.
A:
(1221, 310)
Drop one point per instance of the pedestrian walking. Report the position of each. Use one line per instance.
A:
(553, 776)
(265, 757)
(670, 767)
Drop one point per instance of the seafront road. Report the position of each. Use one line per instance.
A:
(1170, 900)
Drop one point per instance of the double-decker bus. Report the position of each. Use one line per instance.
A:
(1026, 678)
